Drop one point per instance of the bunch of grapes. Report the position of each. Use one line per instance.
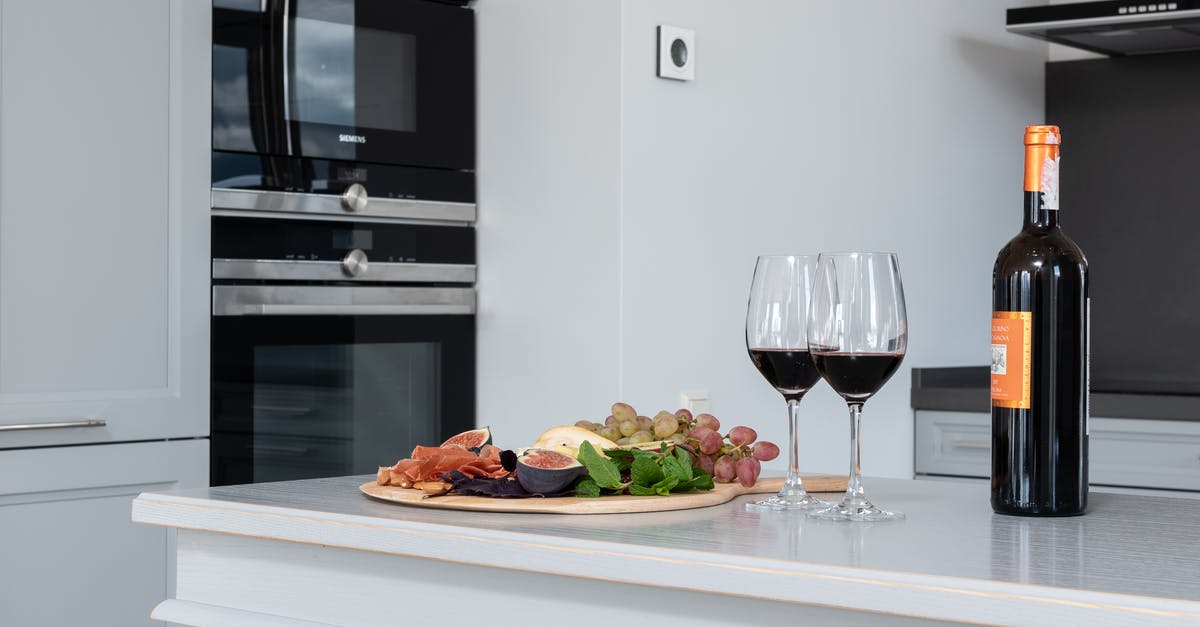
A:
(734, 455)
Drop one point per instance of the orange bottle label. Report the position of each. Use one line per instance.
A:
(1011, 358)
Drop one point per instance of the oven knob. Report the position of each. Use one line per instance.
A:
(355, 263)
(354, 198)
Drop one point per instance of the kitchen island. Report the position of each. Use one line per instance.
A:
(319, 552)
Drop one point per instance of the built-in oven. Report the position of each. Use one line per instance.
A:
(350, 107)
(337, 345)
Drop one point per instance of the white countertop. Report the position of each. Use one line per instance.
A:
(1132, 560)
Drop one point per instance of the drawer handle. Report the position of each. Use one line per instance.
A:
(64, 424)
(970, 444)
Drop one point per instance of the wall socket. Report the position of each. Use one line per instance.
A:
(696, 401)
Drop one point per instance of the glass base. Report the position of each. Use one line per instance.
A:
(782, 503)
(857, 512)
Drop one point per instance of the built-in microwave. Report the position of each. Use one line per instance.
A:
(359, 107)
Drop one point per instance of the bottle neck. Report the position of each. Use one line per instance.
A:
(1036, 215)
(1041, 185)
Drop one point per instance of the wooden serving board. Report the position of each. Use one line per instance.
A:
(722, 493)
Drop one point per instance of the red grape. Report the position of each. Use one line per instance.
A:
(711, 443)
(765, 451)
(747, 470)
(708, 420)
(742, 436)
(685, 415)
(724, 469)
(698, 433)
(705, 462)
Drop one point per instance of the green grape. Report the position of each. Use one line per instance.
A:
(629, 427)
(665, 425)
(623, 412)
(644, 423)
(611, 433)
(641, 437)
(622, 441)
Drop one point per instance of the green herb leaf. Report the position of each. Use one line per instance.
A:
(641, 490)
(586, 487)
(645, 471)
(701, 480)
(663, 488)
(603, 471)
(672, 469)
(621, 457)
(685, 460)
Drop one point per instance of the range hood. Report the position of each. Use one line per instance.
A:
(1113, 28)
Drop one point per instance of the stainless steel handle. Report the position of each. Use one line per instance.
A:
(305, 300)
(62, 424)
(970, 444)
(292, 202)
(304, 270)
(286, 450)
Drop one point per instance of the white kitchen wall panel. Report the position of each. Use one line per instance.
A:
(620, 214)
(104, 176)
(70, 555)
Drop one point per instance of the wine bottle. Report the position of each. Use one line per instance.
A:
(1040, 361)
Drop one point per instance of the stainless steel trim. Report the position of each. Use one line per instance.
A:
(970, 444)
(307, 300)
(62, 424)
(287, 93)
(1133, 20)
(292, 202)
(301, 270)
(355, 198)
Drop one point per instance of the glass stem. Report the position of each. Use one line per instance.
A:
(854, 489)
(793, 489)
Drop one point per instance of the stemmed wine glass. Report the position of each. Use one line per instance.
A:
(857, 335)
(776, 336)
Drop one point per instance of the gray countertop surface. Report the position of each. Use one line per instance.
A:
(965, 388)
(1134, 556)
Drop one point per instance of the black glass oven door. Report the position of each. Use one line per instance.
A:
(298, 397)
(374, 81)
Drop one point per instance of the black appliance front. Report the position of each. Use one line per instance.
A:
(301, 397)
(374, 81)
(337, 345)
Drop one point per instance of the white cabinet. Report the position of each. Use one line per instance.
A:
(104, 177)
(69, 552)
(1161, 454)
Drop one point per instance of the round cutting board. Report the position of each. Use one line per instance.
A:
(721, 493)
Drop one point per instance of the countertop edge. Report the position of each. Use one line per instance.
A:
(888, 592)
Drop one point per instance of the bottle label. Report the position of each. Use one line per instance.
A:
(1012, 355)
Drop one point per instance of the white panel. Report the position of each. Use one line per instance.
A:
(71, 554)
(549, 253)
(104, 177)
(83, 200)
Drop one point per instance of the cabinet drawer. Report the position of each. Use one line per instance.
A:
(953, 443)
(1145, 453)
(1121, 451)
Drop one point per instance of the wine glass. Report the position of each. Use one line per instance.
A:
(857, 335)
(776, 337)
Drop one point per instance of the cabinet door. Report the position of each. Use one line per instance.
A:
(69, 552)
(104, 177)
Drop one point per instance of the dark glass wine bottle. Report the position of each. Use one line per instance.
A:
(1040, 361)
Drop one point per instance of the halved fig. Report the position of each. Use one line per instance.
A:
(472, 440)
(542, 471)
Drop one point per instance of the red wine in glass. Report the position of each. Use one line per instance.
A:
(856, 376)
(788, 370)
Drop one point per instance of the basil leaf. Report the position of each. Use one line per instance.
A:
(641, 490)
(685, 460)
(701, 480)
(621, 457)
(604, 472)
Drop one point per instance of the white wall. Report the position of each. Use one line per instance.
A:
(810, 126)
(548, 94)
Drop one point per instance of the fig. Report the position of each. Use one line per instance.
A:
(472, 440)
(542, 471)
